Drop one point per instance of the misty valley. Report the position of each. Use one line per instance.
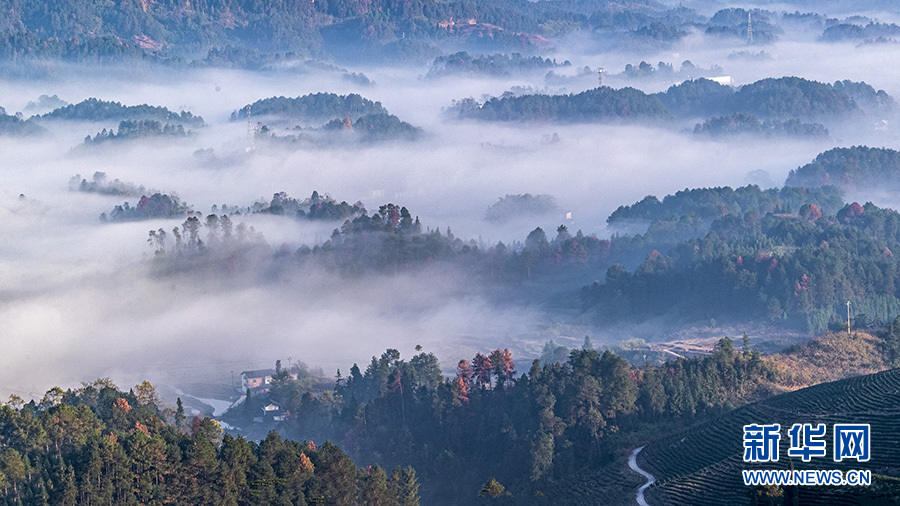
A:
(447, 253)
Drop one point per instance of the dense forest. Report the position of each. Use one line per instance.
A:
(171, 32)
(313, 108)
(520, 206)
(597, 104)
(494, 65)
(784, 100)
(15, 126)
(100, 445)
(666, 71)
(99, 183)
(140, 129)
(488, 430)
(376, 127)
(93, 109)
(856, 167)
(748, 124)
(789, 257)
(157, 205)
(536, 430)
(316, 207)
(798, 268)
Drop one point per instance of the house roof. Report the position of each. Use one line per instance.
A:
(259, 373)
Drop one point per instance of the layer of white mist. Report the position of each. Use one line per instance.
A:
(77, 300)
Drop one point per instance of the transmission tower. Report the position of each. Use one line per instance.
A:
(848, 319)
(251, 133)
(600, 72)
(749, 29)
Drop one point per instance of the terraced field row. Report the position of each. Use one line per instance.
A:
(613, 484)
(702, 465)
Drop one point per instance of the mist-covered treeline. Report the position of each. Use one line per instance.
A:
(796, 268)
(747, 124)
(316, 107)
(142, 129)
(100, 445)
(789, 257)
(496, 65)
(853, 168)
(785, 98)
(15, 126)
(94, 109)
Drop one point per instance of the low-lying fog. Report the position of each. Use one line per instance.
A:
(76, 300)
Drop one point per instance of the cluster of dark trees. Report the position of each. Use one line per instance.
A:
(158, 205)
(94, 109)
(530, 431)
(598, 104)
(247, 58)
(797, 269)
(254, 59)
(785, 98)
(494, 65)
(100, 445)
(856, 32)
(222, 234)
(100, 184)
(747, 124)
(137, 129)
(519, 206)
(663, 70)
(316, 207)
(856, 167)
(46, 102)
(15, 126)
(312, 108)
(708, 204)
(376, 128)
(790, 257)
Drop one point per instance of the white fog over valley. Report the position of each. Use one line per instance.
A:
(79, 299)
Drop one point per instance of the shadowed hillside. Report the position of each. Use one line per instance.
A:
(702, 465)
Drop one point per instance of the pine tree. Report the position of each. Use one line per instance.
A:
(179, 414)
(492, 488)
(375, 491)
(405, 486)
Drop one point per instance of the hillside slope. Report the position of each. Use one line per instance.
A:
(702, 465)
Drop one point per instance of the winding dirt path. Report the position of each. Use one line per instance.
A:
(632, 463)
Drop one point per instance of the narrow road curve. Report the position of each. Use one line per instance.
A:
(632, 463)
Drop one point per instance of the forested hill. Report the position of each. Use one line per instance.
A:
(783, 102)
(315, 107)
(854, 168)
(100, 445)
(591, 105)
(543, 427)
(170, 30)
(789, 258)
(93, 109)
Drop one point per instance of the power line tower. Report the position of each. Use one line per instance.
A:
(749, 29)
(848, 319)
(251, 133)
